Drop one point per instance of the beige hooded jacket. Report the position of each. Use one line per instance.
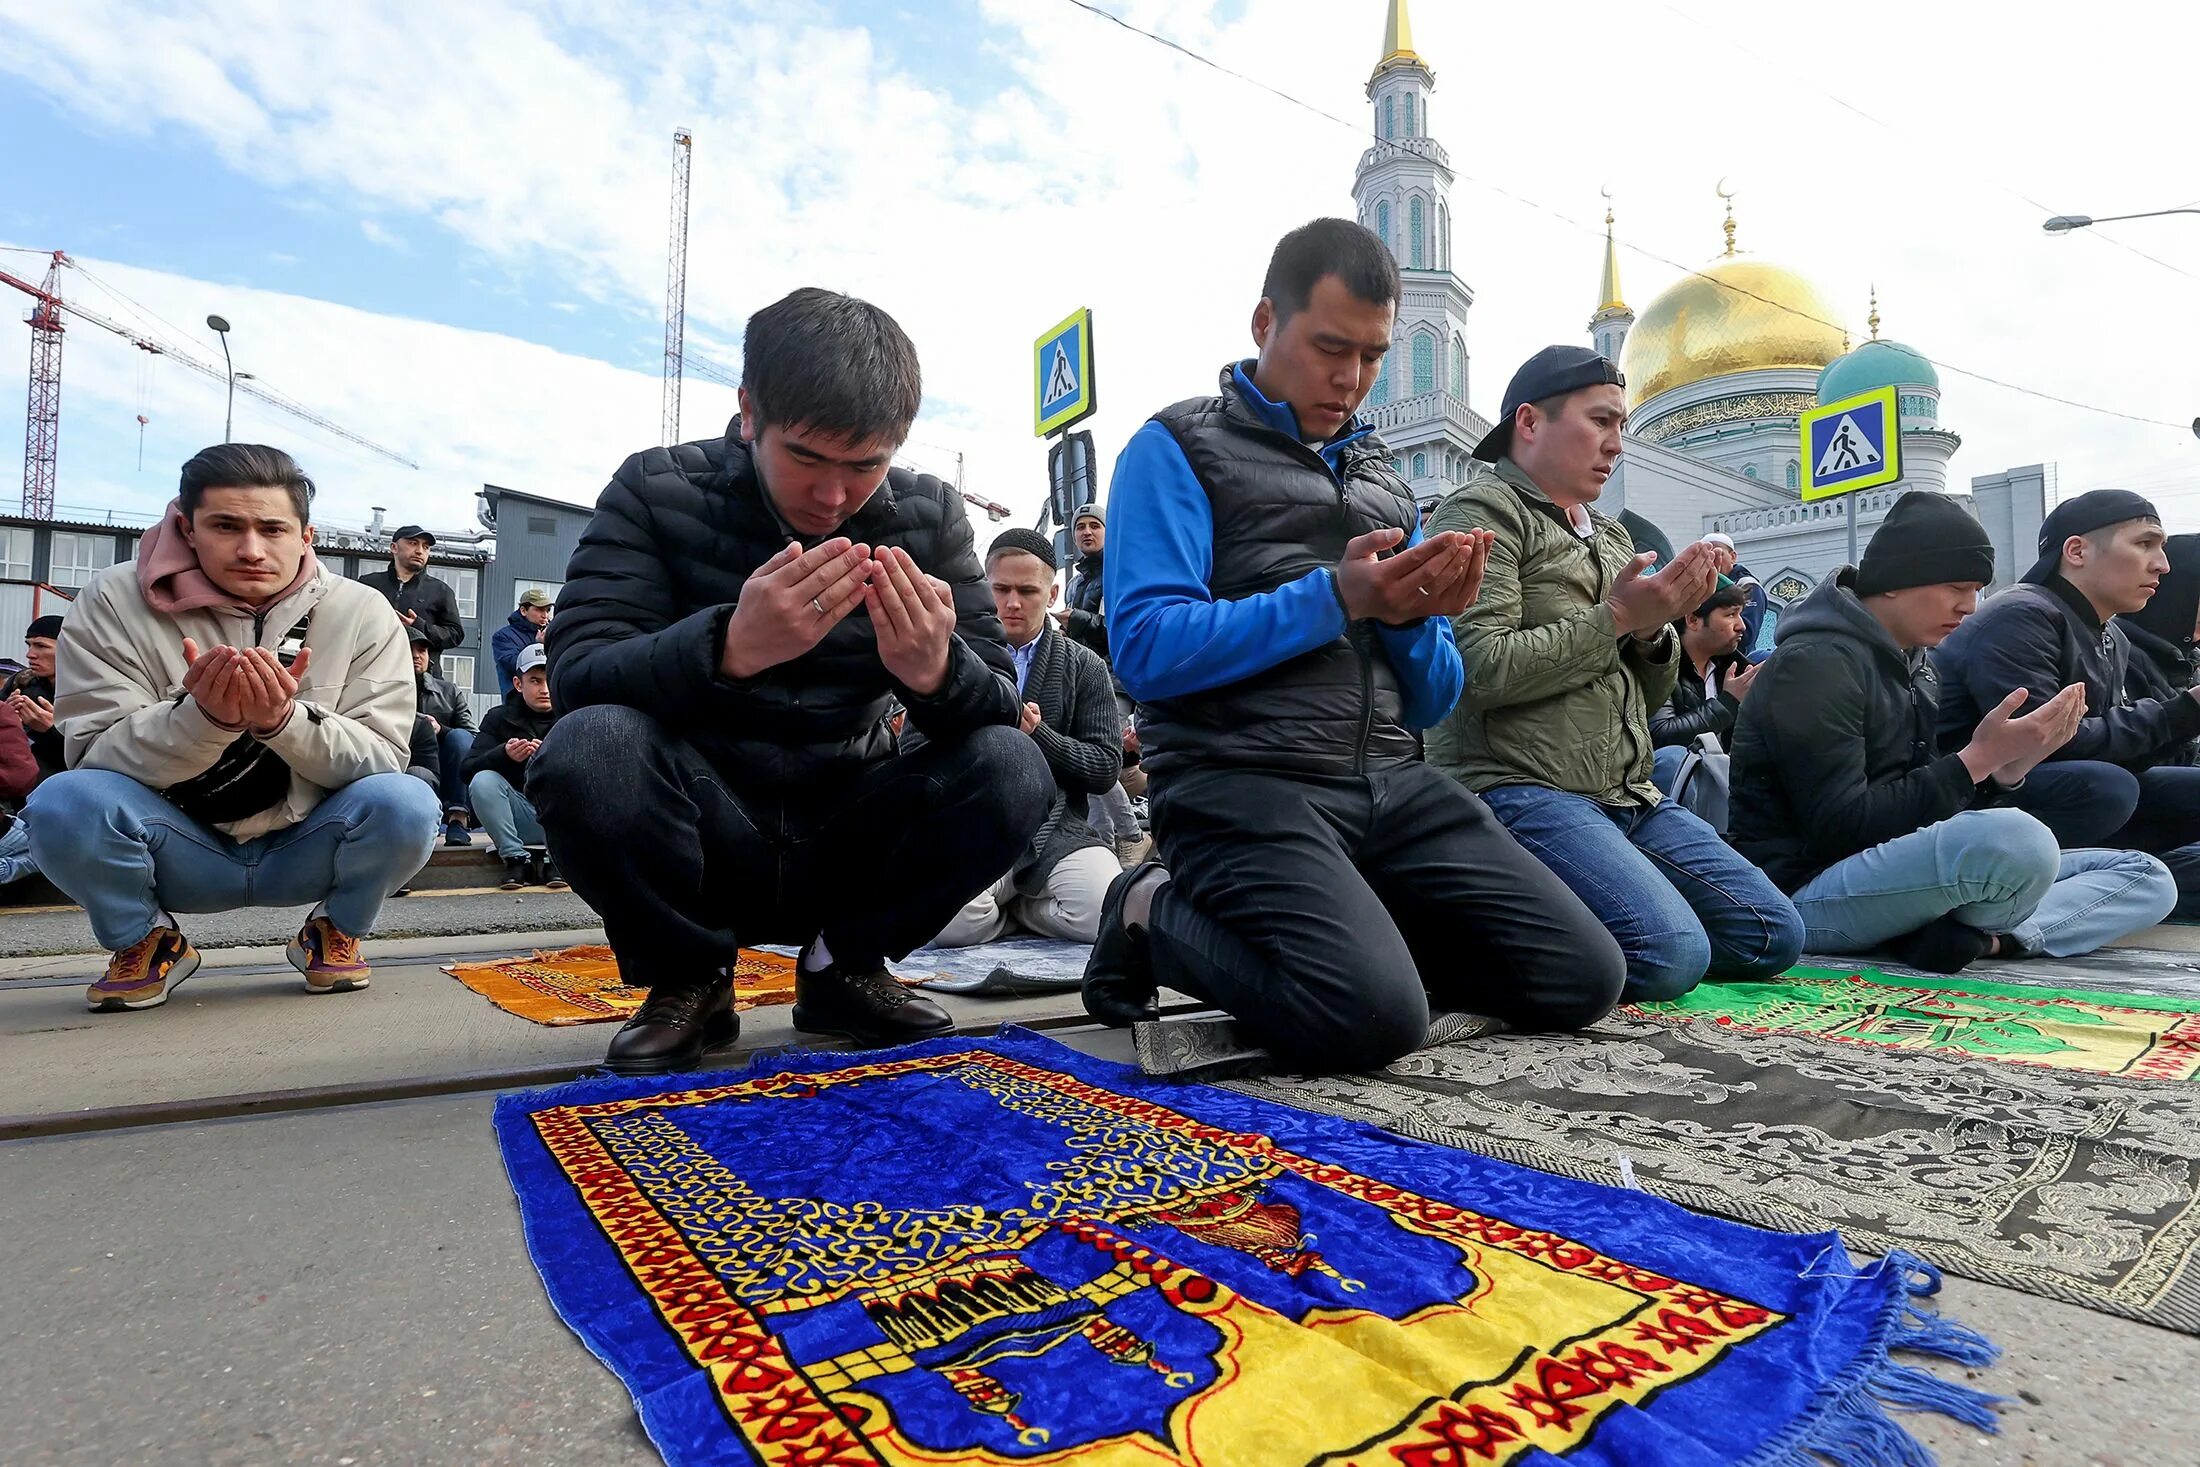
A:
(120, 702)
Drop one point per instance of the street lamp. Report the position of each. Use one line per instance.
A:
(229, 412)
(2064, 223)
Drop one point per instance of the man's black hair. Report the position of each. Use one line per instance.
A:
(833, 364)
(1725, 596)
(1338, 247)
(244, 466)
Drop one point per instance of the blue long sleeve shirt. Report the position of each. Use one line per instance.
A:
(1169, 636)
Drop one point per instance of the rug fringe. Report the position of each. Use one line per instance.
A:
(1854, 1428)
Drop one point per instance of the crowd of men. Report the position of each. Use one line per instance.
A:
(1392, 761)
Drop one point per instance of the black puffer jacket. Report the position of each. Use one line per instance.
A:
(2042, 638)
(642, 619)
(1088, 625)
(511, 719)
(1688, 713)
(1833, 751)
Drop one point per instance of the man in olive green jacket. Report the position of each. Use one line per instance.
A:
(1567, 650)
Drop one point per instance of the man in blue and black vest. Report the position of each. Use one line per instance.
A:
(1285, 628)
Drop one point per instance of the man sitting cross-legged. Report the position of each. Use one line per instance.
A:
(496, 772)
(1567, 652)
(1714, 678)
(1839, 796)
(236, 718)
(1282, 623)
(1057, 884)
(735, 627)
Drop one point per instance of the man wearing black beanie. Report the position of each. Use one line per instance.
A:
(2117, 782)
(31, 691)
(1839, 796)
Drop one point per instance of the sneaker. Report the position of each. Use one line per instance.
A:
(1133, 850)
(515, 873)
(676, 1025)
(455, 833)
(143, 974)
(869, 1006)
(329, 959)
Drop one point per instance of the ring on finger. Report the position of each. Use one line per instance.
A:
(817, 606)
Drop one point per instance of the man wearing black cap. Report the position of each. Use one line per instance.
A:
(2116, 782)
(422, 600)
(1839, 796)
(31, 693)
(1062, 875)
(1568, 650)
(1285, 629)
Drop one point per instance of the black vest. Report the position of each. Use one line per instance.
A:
(1279, 513)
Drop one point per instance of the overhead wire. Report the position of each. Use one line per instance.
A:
(1366, 130)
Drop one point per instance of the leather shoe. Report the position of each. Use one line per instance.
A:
(870, 1007)
(675, 1026)
(1119, 987)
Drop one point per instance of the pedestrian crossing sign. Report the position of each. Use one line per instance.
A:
(1064, 390)
(1852, 444)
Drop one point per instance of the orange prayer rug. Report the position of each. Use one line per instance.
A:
(581, 985)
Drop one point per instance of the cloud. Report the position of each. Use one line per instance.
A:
(378, 234)
(983, 173)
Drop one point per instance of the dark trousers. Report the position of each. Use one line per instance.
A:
(2087, 802)
(686, 868)
(1325, 912)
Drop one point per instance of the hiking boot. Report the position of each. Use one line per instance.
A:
(329, 959)
(1119, 987)
(869, 1006)
(143, 974)
(674, 1027)
(515, 873)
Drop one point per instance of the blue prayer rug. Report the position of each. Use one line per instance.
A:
(1003, 1251)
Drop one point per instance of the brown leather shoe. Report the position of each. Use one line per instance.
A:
(870, 1007)
(677, 1024)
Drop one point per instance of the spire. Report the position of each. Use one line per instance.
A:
(1873, 319)
(1397, 36)
(1608, 297)
(1727, 194)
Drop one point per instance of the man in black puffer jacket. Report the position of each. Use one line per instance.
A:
(2162, 631)
(735, 626)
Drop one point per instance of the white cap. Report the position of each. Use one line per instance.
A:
(531, 656)
(1715, 538)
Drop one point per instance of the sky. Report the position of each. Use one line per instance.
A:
(444, 227)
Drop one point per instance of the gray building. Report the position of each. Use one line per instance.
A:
(535, 537)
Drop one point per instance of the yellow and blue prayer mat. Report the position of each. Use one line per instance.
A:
(1003, 1251)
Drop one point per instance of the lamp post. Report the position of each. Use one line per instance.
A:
(229, 411)
(2064, 223)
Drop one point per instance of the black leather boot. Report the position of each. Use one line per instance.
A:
(871, 1007)
(1119, 987)
(677, 1025)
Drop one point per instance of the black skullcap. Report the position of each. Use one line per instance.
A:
(1029, 542)
(1927, 539)
(45, 626)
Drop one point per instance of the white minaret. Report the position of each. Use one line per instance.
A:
(1403, 193)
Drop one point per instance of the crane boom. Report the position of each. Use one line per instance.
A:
(676, 282)
(47, 311)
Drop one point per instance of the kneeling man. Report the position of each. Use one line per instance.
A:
(735, 626)
(236, 718)
(1057, 885)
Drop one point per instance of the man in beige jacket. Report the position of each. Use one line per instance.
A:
(235, 718)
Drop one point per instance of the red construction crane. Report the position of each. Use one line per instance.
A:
(42, 433)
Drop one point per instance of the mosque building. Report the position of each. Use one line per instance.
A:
(1720, 367)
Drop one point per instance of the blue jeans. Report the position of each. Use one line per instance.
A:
(131, 858)
(506, 814)
(455, 744)
(1665, 766)
(1681, 901)
(16, 861)
(1997, 870)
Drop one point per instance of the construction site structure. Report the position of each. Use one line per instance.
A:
(676, 283)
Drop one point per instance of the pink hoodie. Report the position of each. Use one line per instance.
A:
(169, 576)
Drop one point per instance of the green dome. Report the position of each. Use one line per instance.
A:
(1873, 365)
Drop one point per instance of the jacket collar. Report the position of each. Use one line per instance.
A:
(1251, 403)
(741, 475)
(2074, 598)
(1518, 478)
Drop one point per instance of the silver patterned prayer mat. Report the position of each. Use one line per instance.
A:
(2063, 1184)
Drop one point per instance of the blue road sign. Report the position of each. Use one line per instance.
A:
(1852, 444)
(1064, 391)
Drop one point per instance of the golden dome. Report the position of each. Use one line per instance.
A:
(1737, 314)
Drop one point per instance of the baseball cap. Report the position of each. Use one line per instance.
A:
(2093, 510)
(411, 532)
(531, 656)
(535, 596)
(1550, 372)
(416, 636)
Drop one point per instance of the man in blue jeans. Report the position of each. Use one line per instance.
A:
(1839, 795)
(236, 718)
(1567, 650)
(496, 772)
